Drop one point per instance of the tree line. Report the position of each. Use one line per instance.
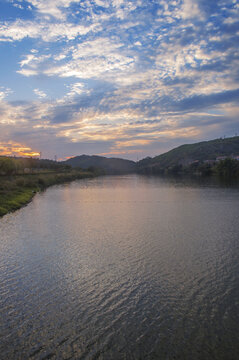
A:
(227, 168)
(12, 165)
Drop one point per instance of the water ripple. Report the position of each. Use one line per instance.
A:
(121, 268)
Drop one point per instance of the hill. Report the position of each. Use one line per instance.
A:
(185, 155)
(108, 165)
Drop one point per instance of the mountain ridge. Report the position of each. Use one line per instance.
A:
(108, 165)
(188, 153)
(182, 155)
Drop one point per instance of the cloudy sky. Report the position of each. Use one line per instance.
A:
(120, 78)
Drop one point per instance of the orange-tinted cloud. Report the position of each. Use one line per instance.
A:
(15, 149)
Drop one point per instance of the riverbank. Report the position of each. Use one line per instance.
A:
(18, 190)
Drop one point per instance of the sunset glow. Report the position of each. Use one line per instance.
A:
(126, 77)
(14, 149)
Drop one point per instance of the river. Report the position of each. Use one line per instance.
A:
(122, 267)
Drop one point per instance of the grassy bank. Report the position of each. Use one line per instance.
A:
(16, 191)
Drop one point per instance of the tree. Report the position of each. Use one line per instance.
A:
(7, 166)
(228, 168)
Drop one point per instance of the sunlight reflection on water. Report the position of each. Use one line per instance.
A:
(123, 267)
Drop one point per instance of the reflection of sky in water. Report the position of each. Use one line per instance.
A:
(121, 265)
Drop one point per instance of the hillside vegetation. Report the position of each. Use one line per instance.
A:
(109, 166)
(185, 155)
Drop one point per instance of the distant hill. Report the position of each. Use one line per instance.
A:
(181, 156)
(108, 165)
(186, 154)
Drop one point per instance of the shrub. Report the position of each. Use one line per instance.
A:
(41, 182)
(20, 182)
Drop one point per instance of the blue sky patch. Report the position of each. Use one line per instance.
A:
(116, 77)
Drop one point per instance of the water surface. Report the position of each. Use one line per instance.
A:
(124, 267)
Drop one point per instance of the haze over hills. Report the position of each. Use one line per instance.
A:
(108, 165)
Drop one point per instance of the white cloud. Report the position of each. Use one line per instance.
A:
(44, 30)
(4, 92)
(90, 59)
(52, 7)
(78, 89)
(40, 93)
(19, 6)
(2, 95)
(58, 8)
(190, 9)
(28, 59)
(140, 75)
(97, 47)
(29, 65)
(102, 3)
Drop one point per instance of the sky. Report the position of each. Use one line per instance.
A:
(117, 78)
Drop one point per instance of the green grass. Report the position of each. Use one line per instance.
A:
(15, 200)
(17, 191)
